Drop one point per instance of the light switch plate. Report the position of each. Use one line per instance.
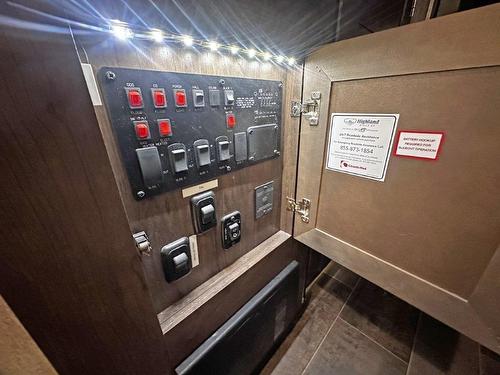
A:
(263, 199)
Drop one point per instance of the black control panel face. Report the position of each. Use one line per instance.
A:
(175, 129)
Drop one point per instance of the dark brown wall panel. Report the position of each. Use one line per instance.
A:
(69, 269)
(167, 217)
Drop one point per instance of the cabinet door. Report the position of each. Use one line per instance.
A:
(430, 232)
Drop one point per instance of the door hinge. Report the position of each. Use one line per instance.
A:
(142, 243)
(309, 108)
(302, 208)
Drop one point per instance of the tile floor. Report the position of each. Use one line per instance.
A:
(352, 327)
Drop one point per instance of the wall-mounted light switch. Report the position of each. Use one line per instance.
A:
(203, 211)
(231, 229)
(176, 259)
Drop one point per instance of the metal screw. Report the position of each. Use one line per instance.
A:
(251, 158)
(280, 84)
(222, 81)
(228, 168)
(110, 75)
(140, 194)
(250, 131)
(276, 127)
(276, 152)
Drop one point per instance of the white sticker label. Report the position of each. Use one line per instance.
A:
(420, 145)
(88, 74)
(360, 144)
(193, 243)
(187, 192)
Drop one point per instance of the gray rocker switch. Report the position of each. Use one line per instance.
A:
(202, 152)
(198, 98)
(150, 164)
(181, 263)
(178, 157)
(228, 97)
(207, 214)
(222, 148)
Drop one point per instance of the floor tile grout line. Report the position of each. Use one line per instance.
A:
(371, 339)
(414, 342)
(331, 326)
(340, 281)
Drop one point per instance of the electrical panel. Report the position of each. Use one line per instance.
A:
(176, 129)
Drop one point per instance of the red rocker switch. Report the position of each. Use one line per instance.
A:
(230, 120)
(165, 128)
(134, 98)
(159, 98)
(141, 129)
(180, 98)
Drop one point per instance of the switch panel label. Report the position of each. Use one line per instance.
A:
(193, 243)
(209, 185)
(360, 144)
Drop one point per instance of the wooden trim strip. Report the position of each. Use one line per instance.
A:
(177, 312)
(430, 298)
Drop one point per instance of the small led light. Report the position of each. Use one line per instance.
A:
(121, 31)
(213, 45)
(291, 61)
(156, 35)
(280, 58)
(234, 50)
(251, 52)
(187, 40)
(266, 56)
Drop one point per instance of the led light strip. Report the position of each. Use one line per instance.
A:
(123, 32)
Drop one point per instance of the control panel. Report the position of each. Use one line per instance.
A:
(176, 129)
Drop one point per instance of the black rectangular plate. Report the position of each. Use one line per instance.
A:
(257, 102)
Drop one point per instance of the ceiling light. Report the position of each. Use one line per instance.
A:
(121, 31)
(187, 40)
(291, 60)
(251, 52)
(234, 49)
(266, 56)
(213, 45)
(156, 35)
(280, 58)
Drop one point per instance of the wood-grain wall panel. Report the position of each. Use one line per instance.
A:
(211, 315)
(167, 217)
(69, 268)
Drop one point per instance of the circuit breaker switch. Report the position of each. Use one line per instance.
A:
(178, 157)
(202, 152)
(222, 143)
